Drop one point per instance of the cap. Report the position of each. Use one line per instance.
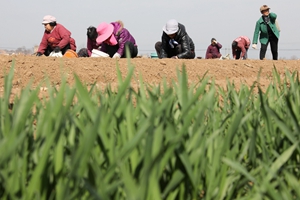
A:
(264, 7)
(48, 19)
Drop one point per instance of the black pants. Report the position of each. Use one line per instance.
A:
(239, 52)
(274, 48)
(171, 51)
(133, 50)
(63, 50)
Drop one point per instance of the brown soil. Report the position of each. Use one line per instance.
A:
(103, 70)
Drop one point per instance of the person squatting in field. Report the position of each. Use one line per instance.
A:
(56, 38)
(175, 42)
(240, 48)
(91, 42)
(213, 50)
(114, 39)
(267, 29)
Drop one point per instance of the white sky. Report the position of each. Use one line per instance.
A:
(223, 19)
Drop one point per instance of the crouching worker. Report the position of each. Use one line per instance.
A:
(175, 42)
(213, 50)
(56, 38)
(240, 48)
(91, 42)
(115, 39)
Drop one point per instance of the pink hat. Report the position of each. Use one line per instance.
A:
(104, 31)
(48, 19)
(112, 40)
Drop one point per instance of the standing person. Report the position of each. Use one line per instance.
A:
(56, 38)
(213, 50)
(240, 48)
(91, 42)
(268, 33)
(175, 42)
(114, 39)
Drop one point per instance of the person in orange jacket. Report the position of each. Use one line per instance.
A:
(56, 38)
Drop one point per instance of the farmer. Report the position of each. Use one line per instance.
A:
(213, 50)
(91, 42)
(175, 42)
(240, 47)
(56, 38)
(268, 33)
(114, 39)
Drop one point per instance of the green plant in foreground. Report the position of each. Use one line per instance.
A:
(157, 142)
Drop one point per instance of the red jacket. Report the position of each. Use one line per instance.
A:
(243, 43)
(59, 36)
(213, 49)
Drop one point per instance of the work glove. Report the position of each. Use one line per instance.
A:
(117, 55)
(56, 49)
(254, 46)
(39, 54)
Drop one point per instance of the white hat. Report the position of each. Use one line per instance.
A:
(48, 19)
(171, 27)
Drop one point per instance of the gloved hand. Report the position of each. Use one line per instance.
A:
(39, 54)
(56, 49)
(174, 57)
(254, 46)
(117, 55)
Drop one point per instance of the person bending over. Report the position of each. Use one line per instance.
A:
(114, 39)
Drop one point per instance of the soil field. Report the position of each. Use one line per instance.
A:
(103, 70)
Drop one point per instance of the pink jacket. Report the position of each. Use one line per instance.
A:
(243, 43)
(59, 36)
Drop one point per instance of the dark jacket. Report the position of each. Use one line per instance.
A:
(183, 39)
(91, 44)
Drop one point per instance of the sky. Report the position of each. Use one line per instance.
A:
(225, 20)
